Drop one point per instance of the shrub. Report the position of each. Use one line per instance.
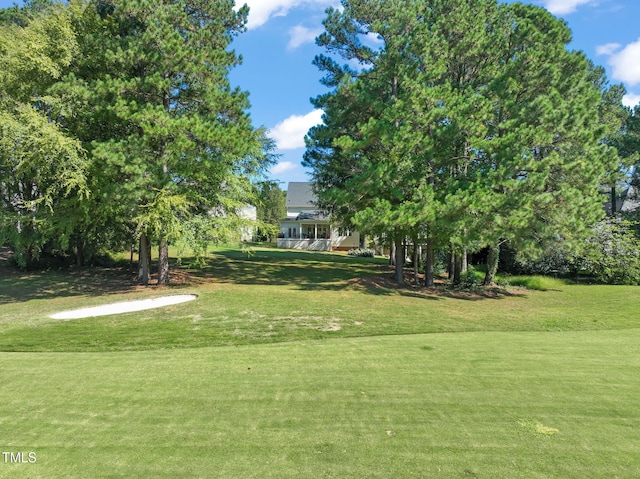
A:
(552, 262)
(470, 280)
(612, 254)
(362, 252)
(539, 283)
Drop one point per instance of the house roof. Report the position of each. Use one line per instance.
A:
(305, 217)
(315, 216)
(300, 194)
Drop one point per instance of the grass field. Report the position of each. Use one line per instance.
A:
(301, 365)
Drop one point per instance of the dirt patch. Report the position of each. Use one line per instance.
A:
(331, 327)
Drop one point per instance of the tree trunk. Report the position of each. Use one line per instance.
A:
(415, 259)
(399, 256)
(144, 260)
(457, 269)
(492, 265)
(465, 261)
(614, 205)
(451, 265)
(392, 254)
(79, 251)
(163, 263)
(429, 269)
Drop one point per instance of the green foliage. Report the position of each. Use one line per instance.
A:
(471, 279)
(555, 260)
(609, 255)
(629, 143)
(535, 283)
(270, 208)
(42, 170)
(612, 253)
(135, 108)
(197, 235)
(472, 124)
(32, 56)
(165, 215)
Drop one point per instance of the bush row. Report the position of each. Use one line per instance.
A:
(362, 252)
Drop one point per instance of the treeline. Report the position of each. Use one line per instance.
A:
(465, 125)
(118, 125)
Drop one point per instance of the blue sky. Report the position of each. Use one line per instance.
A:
(278, 49)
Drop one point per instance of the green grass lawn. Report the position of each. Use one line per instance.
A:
(290, 365)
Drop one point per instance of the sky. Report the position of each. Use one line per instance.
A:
(279, 46)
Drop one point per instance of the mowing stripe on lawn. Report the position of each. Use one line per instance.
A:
(495, 405)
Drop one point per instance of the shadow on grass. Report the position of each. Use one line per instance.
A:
(310, 271)
(405, 291)
(302, 269)
(385, 285)
(287, 267)
(18, 285)
(482, 293)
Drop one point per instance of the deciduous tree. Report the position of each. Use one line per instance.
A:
(270, 208)
(41, 168)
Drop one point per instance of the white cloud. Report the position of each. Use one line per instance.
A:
(373, 39)
(262, 10)
(562, 7)
(301, 35)
(631, 100)
(608, 49)
(625, 64)
(283, 167)
(290, 132)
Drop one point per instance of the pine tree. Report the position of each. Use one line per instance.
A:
(469, 126)
(168, 137)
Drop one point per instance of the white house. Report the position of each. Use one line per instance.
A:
(627, 201)
(305, 227)
(249, 213)
(630, 200)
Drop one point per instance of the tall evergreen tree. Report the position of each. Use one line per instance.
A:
(362, 171)
(168, 136)
(471, 124)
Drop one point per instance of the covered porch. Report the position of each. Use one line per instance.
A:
(305, 233)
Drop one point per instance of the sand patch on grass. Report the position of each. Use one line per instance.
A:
(124, 307)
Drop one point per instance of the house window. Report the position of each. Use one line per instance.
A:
(310, 231)
(344, 231)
